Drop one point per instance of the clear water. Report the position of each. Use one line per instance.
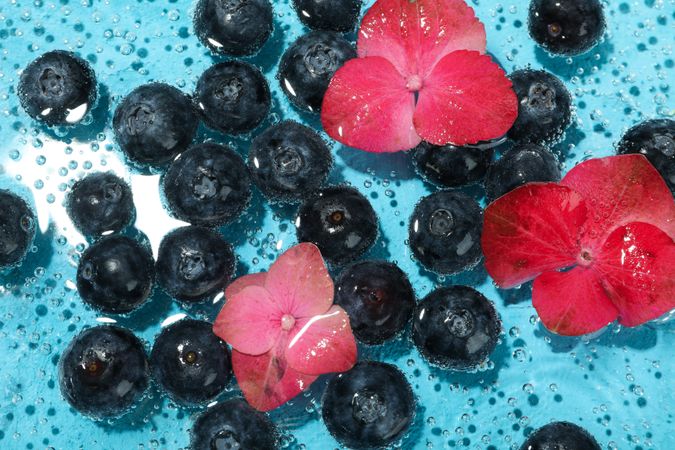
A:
(619, 384)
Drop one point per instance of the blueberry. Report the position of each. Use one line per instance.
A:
(190, 362)
(560, 436)
(288, 161)
(566, 27)
(340, 221)
(17, 228)
(57, 88)
(115, 274)
(103, 371)
(451, 166)
(656, 140)
(521, 164)
(372, 405)
(378, 297)
(154, 123)
(233, 97)
(233, 27)
(100, 203)
(308, 65)
(233, 424)
(544, 107)
(334, 15)
(194, 263)
(456, 327)
(445, 230)
(207, 185)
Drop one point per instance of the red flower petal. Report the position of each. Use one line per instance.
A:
(254, 279)
(572, 303)
(619, 190)
(299, 282)
(637, 264)
(466, 99)
(415, 35)
(367, 106)
(531, 230)
(323, 344)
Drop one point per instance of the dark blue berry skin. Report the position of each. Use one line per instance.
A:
(233, 97)
(444, 232)
(103, 371)
(561, 436)
(190, 362)
(566, 27)
(233, 424)
(370, 406)
(521, 164)
(378, 298)
(289, 161)
(308, 65)
(154, 123)
(207, 185)
(340, 221)
(233, 27)
(17, 228)
(456, 327)
(57, 88)
(115, 275)
(451, 166)
(544, 107)
(655, 139)
(334, 15)
(194, 263)
(99, 203)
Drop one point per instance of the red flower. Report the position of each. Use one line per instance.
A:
(420, 75)
(610, 222)
(284, 329)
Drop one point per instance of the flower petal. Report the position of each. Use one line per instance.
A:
(254, 279)
(299, 282)
(323, 344)
(572, 303)
(637, 264)
(415, 35)
(466, 99)
(367, 106)
(530, 230)
(249, 321)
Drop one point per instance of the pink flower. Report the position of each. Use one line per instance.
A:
(284, 329)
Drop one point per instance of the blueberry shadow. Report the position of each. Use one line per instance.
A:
(141, 416)
(380, 165)
(269, 55)
(251, 219)
(42, 257)
(156, 308)
(472, 277)
(416, 430)
(567, 147)
(395, 348)
(559, 66)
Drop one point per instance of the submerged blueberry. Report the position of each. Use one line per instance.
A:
(560, 436)
(103, 371)
(451, 166)
(456, 327)
(17, 228)
(371, 405)
(57, 88)
(335, 15)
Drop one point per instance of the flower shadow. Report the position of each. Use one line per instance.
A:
(381, 165)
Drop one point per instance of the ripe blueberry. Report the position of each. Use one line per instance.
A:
(17, 228)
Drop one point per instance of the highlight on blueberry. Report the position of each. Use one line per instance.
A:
(456, 327)
(57, 88)
(370, 406)
(104, 371)
(309, 64)
(378, 298)
(289, 161)
(335, 15)
(17, 228)
(340, 221)
(451, 166)
(233, 97)
(194, 263)
(190, 362)
(561, 435)
(207, 185)
(116, 274)
(444, 232)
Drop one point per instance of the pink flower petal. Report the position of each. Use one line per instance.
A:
(254, 279)
(367, 106)
(531, 230)
(415, 35)
(249, 321)
(323, 344)
(299, 282)
(466, 99)
(572, 303)
(637, 264)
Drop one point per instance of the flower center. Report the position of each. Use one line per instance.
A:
(287, 322)
(414, 83)
(585, 258)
